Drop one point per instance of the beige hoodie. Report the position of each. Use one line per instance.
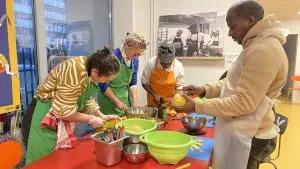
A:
(265, 69)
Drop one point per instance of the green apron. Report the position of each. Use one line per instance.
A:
(42, 141)
(120, 87)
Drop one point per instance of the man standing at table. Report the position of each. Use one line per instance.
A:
(245, 133)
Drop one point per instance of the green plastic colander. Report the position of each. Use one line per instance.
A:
(145, 126)
(168, 147)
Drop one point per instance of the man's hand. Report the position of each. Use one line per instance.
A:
(189, 106)
(156, 99)
(193, 90)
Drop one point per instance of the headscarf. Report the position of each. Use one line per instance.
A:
(166, 53)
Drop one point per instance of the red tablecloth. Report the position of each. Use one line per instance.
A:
(83, 156)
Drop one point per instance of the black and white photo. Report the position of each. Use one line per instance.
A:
(196, 35)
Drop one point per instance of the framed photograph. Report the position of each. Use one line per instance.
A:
(193, 36)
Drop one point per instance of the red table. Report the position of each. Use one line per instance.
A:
(83, 156)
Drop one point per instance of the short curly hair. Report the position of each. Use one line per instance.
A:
(136, 40)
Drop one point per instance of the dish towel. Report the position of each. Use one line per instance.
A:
(65, 137)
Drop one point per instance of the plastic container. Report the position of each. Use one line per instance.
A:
(108, 154)
(145, 126)
(135, 126)
(168, 147)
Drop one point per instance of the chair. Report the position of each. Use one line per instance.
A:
(282, 122)
(294, 79)
(11, 154)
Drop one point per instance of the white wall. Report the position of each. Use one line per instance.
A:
(141, 24)
(136, 15)
(132, 16)
(122, 14)
(199, 71)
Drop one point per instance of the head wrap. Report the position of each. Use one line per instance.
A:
(166, 53)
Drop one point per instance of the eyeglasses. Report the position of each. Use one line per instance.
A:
(138, 54)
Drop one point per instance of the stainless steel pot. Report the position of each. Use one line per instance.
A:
(135, 153)
(141, 112)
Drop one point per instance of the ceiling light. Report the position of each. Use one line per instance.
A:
(299, 13)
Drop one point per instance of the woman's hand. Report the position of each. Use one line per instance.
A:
(120, 105)
(111, 117)
(135, 104)
(96, 122)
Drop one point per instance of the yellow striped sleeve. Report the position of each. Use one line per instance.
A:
(70, 77)
(91, 106)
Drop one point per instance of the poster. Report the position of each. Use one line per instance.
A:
(195, 35)
(9, 80)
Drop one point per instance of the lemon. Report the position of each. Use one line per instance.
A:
(179, 101)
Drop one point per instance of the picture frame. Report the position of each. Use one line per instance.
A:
(194, 37)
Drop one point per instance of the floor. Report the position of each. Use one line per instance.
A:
(290, 147)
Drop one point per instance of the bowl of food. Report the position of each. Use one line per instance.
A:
(135, 127)
(135, 153)
(193, 124)
(141, 112)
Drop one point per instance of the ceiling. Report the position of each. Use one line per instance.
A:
(284, 9)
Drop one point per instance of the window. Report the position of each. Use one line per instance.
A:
(75, 31)
(25, 36)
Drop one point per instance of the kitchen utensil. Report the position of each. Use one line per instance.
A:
(107, 125)
(168, 147)
(135, 153)
(184, 166)
(110, 153)
(193, 124)
(141, 112)
(107, 136)
(121, 132)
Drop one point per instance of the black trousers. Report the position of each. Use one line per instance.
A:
(260, 150)
(26, 122)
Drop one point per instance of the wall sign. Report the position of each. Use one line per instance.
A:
(9, 79)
